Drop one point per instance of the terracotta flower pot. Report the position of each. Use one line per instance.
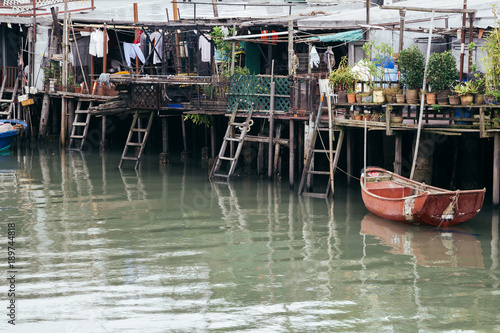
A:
(430, 98)
(351, 98)
(358, 117)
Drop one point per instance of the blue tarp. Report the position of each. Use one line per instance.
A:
(345, 36)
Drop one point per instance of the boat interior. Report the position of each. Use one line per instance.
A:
(388, 186)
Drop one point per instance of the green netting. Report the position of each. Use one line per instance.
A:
(247, 89)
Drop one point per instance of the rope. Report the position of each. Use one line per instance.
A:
(450, 210)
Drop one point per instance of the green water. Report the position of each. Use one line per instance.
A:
(164, 250)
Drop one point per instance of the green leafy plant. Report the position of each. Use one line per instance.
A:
(377, 66)
(224, 48)
(411, 65)
(343, 78)
(465, 88)
(199, 119)
(491, 61)
(442, 70)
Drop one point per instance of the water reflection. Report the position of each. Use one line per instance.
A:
(166, 250)
(447, 247)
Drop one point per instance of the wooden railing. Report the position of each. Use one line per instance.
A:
(9, 74)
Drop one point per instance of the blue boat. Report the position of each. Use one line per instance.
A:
(7, 137)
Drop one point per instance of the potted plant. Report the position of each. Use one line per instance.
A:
(78, 88)
(411, 65)
(342, 79)
(351, 96)
(365, 97)
(466, 91)
(441, 74)
(377, 66)
(390, 94)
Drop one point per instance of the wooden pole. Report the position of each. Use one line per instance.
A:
(398, 153)
(233, 50)
(136, 35)
(496, 171)
(290, 47)
(214, 5)
(271, 130)
(291, 145)
(471, 39)
(462, 44)
(44, 118)
(402, 14)
(105, 51)
(419, 129)
(348, 155)
(64, 105)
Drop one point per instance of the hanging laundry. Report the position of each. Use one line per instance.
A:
(96, 46)
(158, 45)
(130, 51)
(204, 46)
(314, 62)
(137, 39)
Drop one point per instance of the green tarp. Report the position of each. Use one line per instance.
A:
(346, 36)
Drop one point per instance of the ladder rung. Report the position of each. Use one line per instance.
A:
(237, 124)
(76, 137)
(82, 111)
(220, 175)
(316, 172)
(134, 144)
(226, 158)
(234, 139)
(128, 158)
(320, 151)
(6, 101)
(79, 124)
(142, 130)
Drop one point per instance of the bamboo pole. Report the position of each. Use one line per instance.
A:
(419, 129)
(136, 34)
(496, 171)
(64, 105)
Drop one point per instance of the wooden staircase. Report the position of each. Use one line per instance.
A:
(324, 149)
(11, 102)
(137, 138)
(230, 137)
(80, 127)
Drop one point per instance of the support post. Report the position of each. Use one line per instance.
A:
(212, 139)
(291, 146)
(290, 47)
(271, 131)
(102, 145)
(165, 155)
(136, 34)
(462, 44)
(402, 14)
(496, 171)
(398, 153)
(349, 154)
(44, 117)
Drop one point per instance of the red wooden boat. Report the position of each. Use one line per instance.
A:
(400, 199)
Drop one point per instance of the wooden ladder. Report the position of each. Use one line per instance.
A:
(12, 101)
(80, 127)
(327, 150)
(137, 138)
(231, 136)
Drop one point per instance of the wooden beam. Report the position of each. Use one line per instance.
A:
(291, 172)
(430, 10)
(496, 171)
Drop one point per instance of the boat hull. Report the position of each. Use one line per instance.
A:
(7, 137)
(399, 199)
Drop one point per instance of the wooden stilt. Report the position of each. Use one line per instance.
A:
(212, 139)
(44, 118)
(184, 139)
(271, 131)
(398, 153)
(277, 151)
(291, 172)
(102, 145)
(165, 155)
(349, 162)
(71, 115)
(496, 172)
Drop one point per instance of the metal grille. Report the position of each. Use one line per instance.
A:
(22, 5)
(247, 89)
(144, 96)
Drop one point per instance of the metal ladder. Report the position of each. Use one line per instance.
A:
(80, 127)
(137, 138)
(12, 101)
(309, 171)
(231, 136)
